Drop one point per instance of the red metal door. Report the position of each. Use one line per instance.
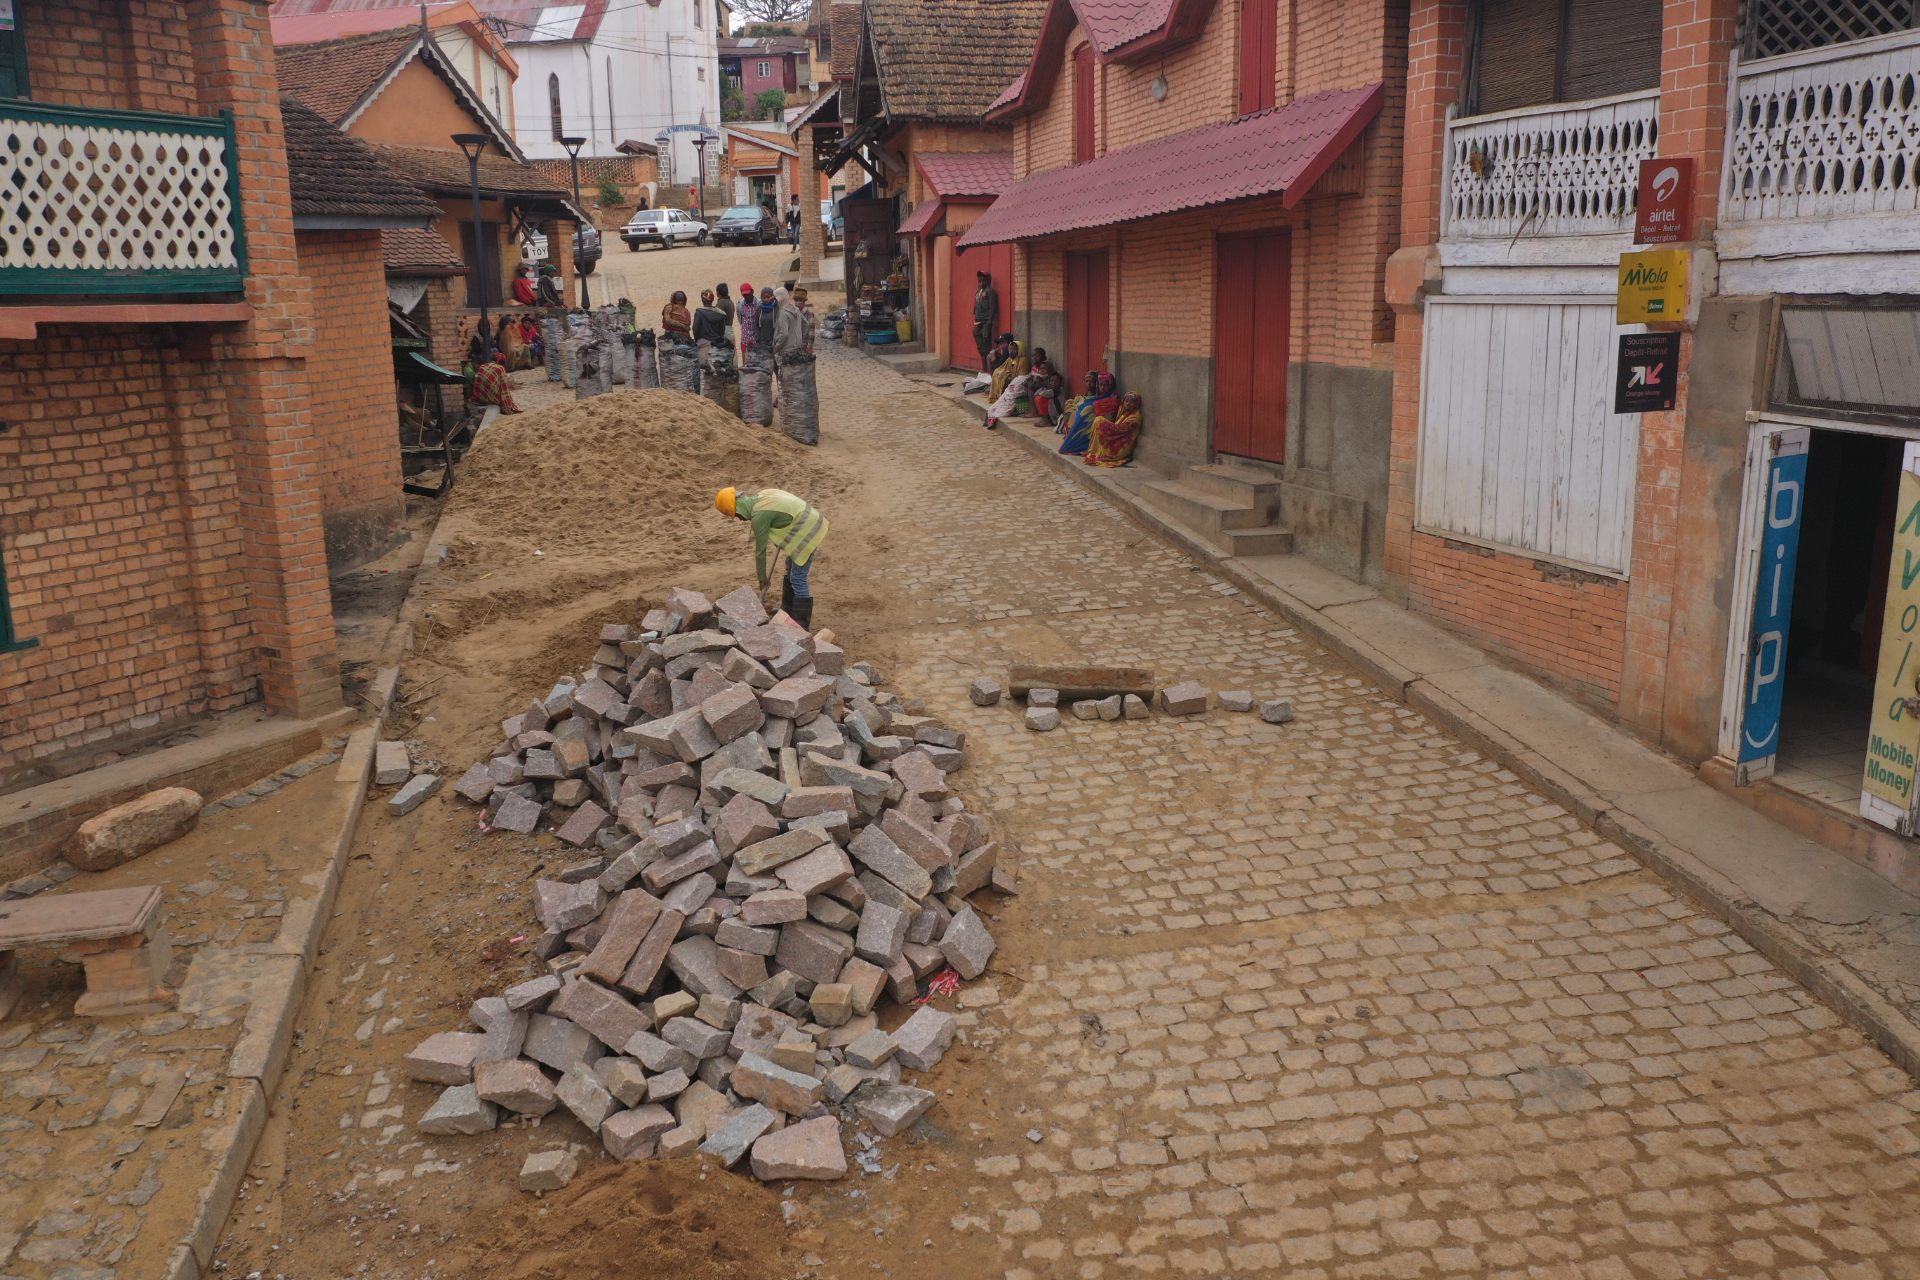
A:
(1086, 317)
(1251, 306)
(996, 259)
(1083, 104)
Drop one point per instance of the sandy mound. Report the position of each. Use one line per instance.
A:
(654, 1219)
(630, 471)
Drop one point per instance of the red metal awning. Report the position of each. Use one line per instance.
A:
(922, 218)
(1285, 149)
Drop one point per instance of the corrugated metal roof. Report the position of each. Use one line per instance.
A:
(921, 218)
(1009, 93)
(1283, 149)
(1112, 23)
(967, 173)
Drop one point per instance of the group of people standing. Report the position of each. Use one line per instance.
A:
(1100, 425)
(777, 320)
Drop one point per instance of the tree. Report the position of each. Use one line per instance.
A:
(611, 197)
(757, 29)
(769, 104)
(771, 11)
(733, 103)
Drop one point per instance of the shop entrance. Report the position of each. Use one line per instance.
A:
(1837, 614)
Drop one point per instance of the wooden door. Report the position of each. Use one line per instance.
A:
(486, 274)
(1252, 304)
(871, 222)
(996, 259)
(1086, 318)
(1083, 98)
(1259, 53)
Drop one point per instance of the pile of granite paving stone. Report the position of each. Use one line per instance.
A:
(772, 852)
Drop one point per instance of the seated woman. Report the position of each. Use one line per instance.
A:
(491, 386)
(1070, 409)
(1007, 360)
(1018, 389)
(1115, 435)
(1098, 402)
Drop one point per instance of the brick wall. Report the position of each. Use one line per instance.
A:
(1548, 618)
(351, 371)
(162, 506)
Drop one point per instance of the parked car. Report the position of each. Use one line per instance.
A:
(586, 249)
(664, 227)
(830, 219)
(747, 224)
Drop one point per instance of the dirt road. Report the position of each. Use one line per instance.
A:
(1336, 998)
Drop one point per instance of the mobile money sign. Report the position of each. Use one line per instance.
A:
(1894, 732)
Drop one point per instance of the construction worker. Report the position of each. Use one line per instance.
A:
(791, 526)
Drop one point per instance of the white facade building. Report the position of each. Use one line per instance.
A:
(613, 71)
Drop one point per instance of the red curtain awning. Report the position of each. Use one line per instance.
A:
(1284, 149)
(921, 218)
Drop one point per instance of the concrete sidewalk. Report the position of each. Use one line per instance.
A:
(1847, 935)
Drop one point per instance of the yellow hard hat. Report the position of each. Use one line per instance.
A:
(723, 502)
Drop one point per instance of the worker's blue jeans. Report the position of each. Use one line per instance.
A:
(797, 575)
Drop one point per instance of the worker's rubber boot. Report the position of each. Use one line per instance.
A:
(801, 611)
(786, 595)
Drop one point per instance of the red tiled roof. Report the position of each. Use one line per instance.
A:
(967, 173)
(1113, 23)
(1009, 93)
(1282, 149)
(1120, 30)
(332, 174)
(332, 76)
(417, 248)
(921, 218)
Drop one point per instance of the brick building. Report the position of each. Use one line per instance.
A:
(344, 200)
(161, 462)
(918, 82)
(1206, 200)
(1714, 575)
(759, 166)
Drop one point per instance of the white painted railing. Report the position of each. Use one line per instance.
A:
(1567, 169)
(117, 201)
(1832, 131)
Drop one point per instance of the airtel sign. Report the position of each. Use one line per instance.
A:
(1664, 212)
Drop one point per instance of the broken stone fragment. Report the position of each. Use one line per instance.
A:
(967, 945)
(1236, 700)
(128, 830)
(459, 1110)
(1085, 709)
(414, 794)
(519, 1086)
(632, 1135)
(1135, 708)
(391, 764)
(1109, 708)
(445, 1058)
(890, 1108)
(1276, 711)
(733, 1139)
(925, 1037)
(1043, 719)
(872, 1049)
(1184, 699)
(581, 1092)
(984, 693)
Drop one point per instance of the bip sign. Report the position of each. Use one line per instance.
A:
(1773, 596)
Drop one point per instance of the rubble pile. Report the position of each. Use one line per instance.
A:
(774, 851)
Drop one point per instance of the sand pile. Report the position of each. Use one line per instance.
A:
(630, 471)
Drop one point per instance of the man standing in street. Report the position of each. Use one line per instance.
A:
(793, 220)
(791, 526)
(986, 307)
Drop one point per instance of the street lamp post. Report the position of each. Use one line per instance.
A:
(475, 145)
(573, 146)
(700, 192)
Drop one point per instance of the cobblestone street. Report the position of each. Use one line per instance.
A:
(1337, 998)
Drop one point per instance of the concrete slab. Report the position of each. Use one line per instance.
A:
(1405, 640)
(1307, 582)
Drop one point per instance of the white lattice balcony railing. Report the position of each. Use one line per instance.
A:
(1831, 131)
(117, 202)
(1567, 169)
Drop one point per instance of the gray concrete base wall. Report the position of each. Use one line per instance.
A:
(364, 532)
(1339, 434)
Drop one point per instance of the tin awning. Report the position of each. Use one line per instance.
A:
(1284, 149)
(922, 219)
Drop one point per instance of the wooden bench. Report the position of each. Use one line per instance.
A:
(117, 934)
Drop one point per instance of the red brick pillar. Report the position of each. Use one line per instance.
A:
(1436, 62)
(263, 365)
(813, 236)
(560, 253)
(1696, 42)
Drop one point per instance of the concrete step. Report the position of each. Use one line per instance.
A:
(1235, 484)
(1270, 541)
(911, 361)
(1201, 512)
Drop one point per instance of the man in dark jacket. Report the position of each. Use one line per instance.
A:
(709, 328)
(986, 306)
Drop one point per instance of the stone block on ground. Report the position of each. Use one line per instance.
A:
(414, 794)
(476, 784)
(823, 869)
(532, 995)
(1184, 699)
(560, 1044)
(1135, 708)
(1043, 719)
(810, 1149)
(1075, 683)
(392, 765)
(1085, 709)
(678, 1142)
(783, 1090)
(631, 1135)
(1043, 697)
(925, 1037)
(866, 980)
(445, 1058)
(872, 1049)
(548, 1170)
(1109, 708)
(890, 1108)
(1236, 700)
(517, 814)
(518, 1085)
(1278, 711)
(459, 1110)
(967, 945)
(985, 693)
(587, 822)
(882, 932)
(742, 1129)
(129, 830)
(831, 1003)
(581, 1092)
(812, 951)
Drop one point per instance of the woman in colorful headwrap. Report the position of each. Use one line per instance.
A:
(675, 318)
(1098, 402)
(1009, 358)
(748, 316)
(507, 338)
(1008, 405)
(531, 342)
(1115, 435)
(1071, 409)
(492, 386)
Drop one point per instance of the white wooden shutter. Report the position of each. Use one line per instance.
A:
(1519, 446)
